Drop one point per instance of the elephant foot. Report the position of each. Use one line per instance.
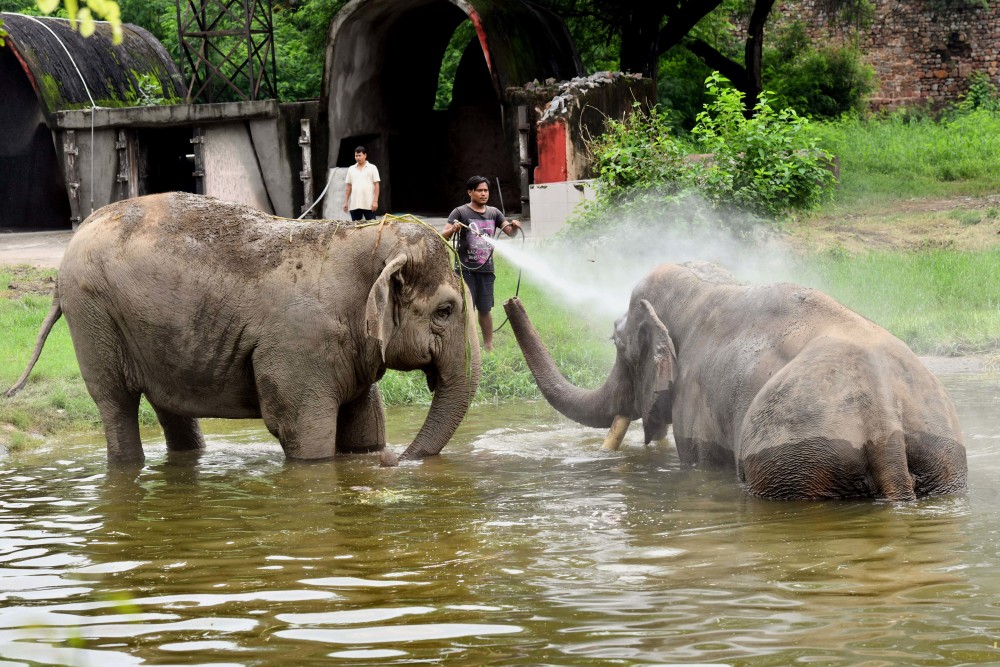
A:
(387, 458)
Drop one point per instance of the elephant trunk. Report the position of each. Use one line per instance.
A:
(456, 384)
(594, 407)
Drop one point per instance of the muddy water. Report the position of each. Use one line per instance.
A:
(521, 545)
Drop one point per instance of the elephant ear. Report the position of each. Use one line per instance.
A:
(655, 367)
(381, 315)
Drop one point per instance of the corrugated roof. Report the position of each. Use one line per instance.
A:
(69, 71)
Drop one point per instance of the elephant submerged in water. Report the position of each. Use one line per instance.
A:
(215, 309)
(803, 397)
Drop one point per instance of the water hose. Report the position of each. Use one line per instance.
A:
(492, 243)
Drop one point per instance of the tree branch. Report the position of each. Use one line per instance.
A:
(682, 20)
(729, 68)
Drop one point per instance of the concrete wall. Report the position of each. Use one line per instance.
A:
(232, 171)
(250, 151)
(552, 204)
(333, 202)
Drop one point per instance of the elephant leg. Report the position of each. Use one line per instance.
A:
(181, 433)
(120, 414)
(886, 458)
(361, 424)
(306, 428)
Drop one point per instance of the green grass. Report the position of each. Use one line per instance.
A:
(904, 157)
(939, 302)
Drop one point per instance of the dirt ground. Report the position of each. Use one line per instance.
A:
(962, 224)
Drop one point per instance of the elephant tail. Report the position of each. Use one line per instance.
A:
(54, 314)
(889, 468)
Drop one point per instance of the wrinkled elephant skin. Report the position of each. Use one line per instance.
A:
(803, 397)
(215, 309)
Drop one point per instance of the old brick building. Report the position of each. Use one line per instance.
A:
(922, 50)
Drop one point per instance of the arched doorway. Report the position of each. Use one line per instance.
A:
(381, 78)
(32, 190)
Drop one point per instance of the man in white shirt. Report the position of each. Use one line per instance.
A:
(361, 192)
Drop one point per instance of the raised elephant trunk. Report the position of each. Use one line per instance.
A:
(590, 407)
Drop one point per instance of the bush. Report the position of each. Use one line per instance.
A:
(821, 83)
(980, 95)
(768, 164)
(761, 167)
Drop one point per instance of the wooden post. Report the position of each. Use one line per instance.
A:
(305, 141)
(198, 141)
(525, 159)
(70, 153)
(124, 182)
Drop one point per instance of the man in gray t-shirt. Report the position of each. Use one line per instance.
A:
(472, 222)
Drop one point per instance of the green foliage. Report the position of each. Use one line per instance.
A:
(148, 91)
(464, 33)
(680, 87)
(981, 94)
(821, 83)
(597, 42)
(300, 33)
(637, 153)
(767, 164)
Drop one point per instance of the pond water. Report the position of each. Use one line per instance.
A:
(522, 544)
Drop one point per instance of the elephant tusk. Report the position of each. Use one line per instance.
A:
(616, 434)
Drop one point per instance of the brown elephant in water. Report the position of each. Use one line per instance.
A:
(803, 397)
(215, 309)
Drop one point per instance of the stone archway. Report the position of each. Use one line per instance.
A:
(381, 74)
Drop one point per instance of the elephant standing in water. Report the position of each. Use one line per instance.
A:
(215, 309)
(803, 397)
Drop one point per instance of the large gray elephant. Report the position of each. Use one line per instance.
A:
(215, 309)
(803, 397)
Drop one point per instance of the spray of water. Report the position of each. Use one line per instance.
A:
(596, 277)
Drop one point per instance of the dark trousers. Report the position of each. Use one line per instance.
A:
(359, 213)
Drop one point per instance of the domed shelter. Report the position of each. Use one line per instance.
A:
(47, 67)
(380, 90)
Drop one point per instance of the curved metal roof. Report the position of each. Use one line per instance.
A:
(69, 71)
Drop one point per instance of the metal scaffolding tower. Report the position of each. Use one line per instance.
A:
(228, 49)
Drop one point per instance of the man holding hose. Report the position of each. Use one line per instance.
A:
(474, 223)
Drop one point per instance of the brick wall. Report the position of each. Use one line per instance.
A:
(922, 50)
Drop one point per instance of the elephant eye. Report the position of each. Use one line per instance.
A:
(444, 311)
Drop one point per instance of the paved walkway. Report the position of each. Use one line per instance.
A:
(39, 249)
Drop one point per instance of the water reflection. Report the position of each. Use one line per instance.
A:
(522, 544)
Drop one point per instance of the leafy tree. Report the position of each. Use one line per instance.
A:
(644, 31)
(82, 18)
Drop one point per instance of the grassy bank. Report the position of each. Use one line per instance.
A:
(938, 301)
(904, 156)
